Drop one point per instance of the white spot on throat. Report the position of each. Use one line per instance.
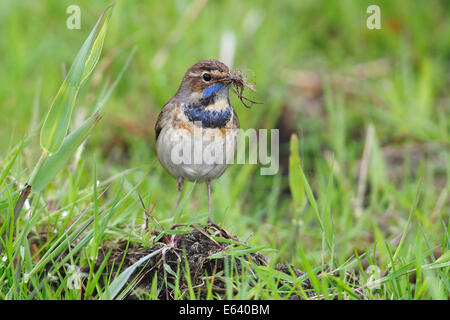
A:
(219, 105)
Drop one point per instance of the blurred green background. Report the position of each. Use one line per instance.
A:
(321, 73)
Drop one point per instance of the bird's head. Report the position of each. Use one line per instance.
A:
(206, 80)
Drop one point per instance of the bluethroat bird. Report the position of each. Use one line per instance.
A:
(201, 102)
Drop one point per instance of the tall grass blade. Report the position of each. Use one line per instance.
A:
(57, 121)
(105, 96)
(295, 174)
(52, 164)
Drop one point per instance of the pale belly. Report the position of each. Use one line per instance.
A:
(200, 156)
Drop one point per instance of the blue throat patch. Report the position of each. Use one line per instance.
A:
(208, 92)
(209, 118)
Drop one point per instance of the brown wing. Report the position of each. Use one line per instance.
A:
(164, 117)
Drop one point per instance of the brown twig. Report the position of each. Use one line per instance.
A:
(148, 213)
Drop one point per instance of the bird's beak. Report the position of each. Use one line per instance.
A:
(231, 78)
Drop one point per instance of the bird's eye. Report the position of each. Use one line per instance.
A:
(206, 76)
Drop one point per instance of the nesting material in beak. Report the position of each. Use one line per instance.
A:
(239, 83)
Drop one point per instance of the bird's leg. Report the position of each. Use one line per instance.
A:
(208, 185)
(180, 185)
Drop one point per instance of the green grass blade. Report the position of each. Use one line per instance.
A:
(105, 96)
(52, 164)
(295, 174)
(57, 120)
(408, 223)
(10, 163)
(118, 283)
